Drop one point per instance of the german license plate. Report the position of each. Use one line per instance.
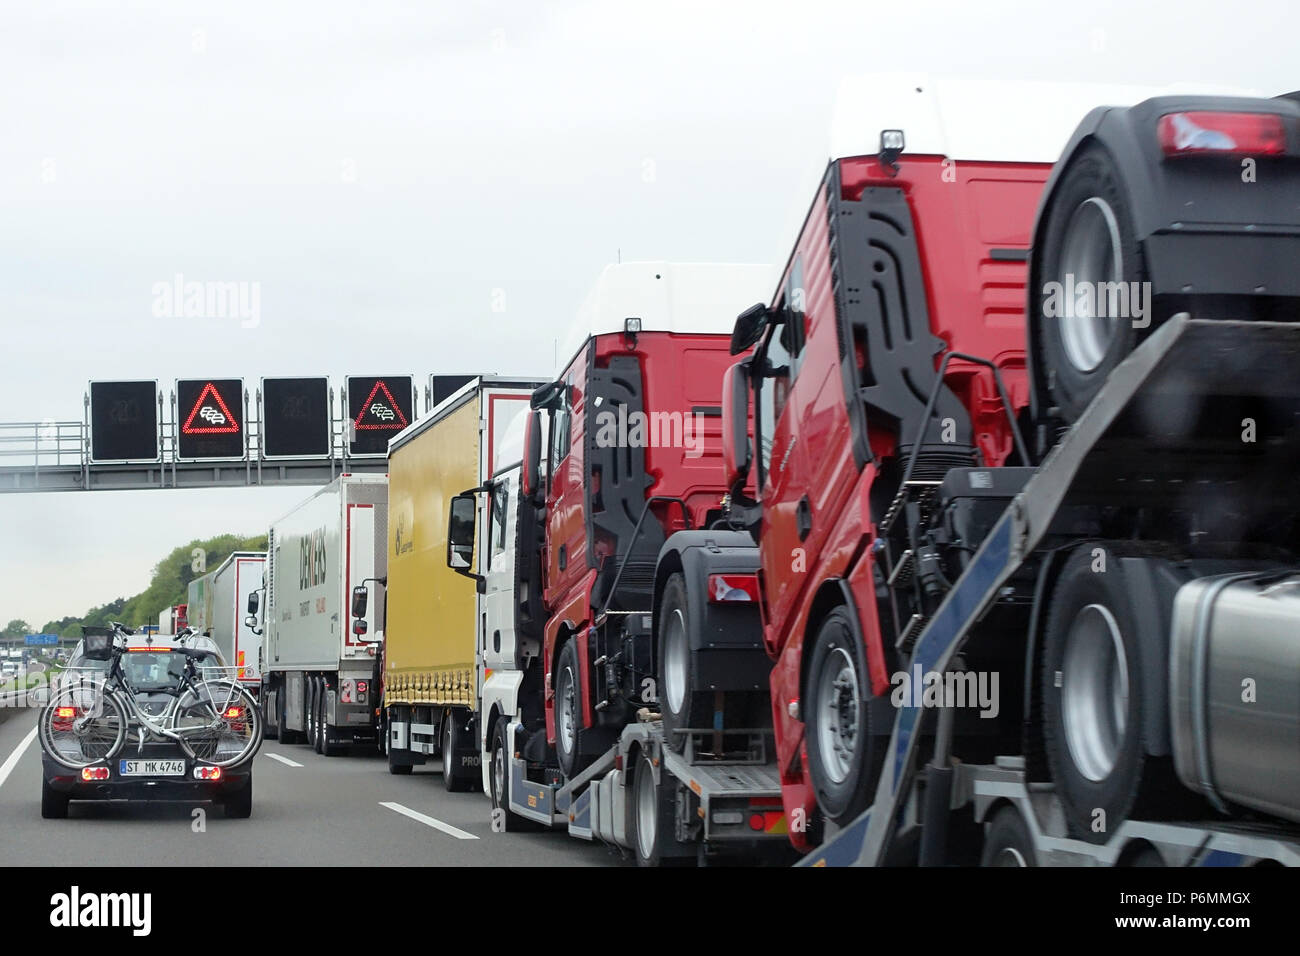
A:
(151, 768)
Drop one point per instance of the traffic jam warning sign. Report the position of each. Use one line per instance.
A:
(378, 408)
(211, 416)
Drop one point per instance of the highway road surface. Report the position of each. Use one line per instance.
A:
(307, 810)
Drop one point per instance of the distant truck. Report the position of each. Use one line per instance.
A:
(431, 656)
(320, 677)
(216, 608)
(173, 619)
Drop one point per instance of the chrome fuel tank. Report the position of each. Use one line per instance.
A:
(1235, 689)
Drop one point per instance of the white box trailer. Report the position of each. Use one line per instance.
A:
(217, 603)
(320, 678)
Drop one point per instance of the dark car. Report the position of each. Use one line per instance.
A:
(148, 770)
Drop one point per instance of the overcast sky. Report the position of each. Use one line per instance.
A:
(387, 172)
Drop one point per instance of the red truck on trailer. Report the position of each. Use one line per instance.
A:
(907, 534)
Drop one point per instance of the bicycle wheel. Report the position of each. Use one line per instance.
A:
(83, 724)
(219, 723)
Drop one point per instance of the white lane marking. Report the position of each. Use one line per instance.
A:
(284, 760)
(429, 821)
(8, 766)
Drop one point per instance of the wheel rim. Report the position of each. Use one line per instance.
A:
(837, 712)
(647, 813)
(568, 710)
(1094, 692)
(446, 745)
(675, 660)
(499, 776)
(1091, 254)
(1009, 856)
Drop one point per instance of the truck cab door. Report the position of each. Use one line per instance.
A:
(498, 625)
(783, 463)
(566, 545)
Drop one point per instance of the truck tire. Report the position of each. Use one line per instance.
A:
(287, 736)
(680, 704)
(239, 803)
(318, 726)
(653, 826)
(270, 722)
(399, 761)
(454, 777)
(309, 712)
(1089, 237)
(1007, 840)
(1095, 701)
(568, 713)
(54, 804)
(499, 782)
(847, 728)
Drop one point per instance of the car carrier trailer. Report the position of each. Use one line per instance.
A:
(1241, 366)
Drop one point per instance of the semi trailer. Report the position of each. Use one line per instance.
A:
(320, 668)
(216, 606)
(1024, 532)
(172, 620)
(433, 657)
(617, 452)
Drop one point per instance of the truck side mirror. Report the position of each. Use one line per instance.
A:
(360, 601)
(736, 448)
(530, 478)
(250, 622)
(460, 532)
(253, 600)
(359, 626)
(748, 328)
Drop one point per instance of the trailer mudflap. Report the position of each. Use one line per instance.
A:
(1166, 401)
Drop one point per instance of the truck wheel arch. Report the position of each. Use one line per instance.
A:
(832, 593)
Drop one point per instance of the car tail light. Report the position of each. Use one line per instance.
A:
(233, 713)
(94, 773)
(65, 713)
(207, 773)
(733, 587)
(1203, 132)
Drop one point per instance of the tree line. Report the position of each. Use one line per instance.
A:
(168, 586)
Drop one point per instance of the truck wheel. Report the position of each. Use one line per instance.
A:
(288, 736)
(847, 729)
(239, 803)
(1094, 701)
(653, 826)
(309, 715)
(679, 703)
(568, 713)
(1007, 841)
(498, 780)
(1089, 238)
(399, 761)
(318, 725)
(54, 805)
(270, 722)
(454, 777)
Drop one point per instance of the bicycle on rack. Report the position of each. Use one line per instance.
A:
(92, 714)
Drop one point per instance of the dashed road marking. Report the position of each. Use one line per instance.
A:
(428, 821)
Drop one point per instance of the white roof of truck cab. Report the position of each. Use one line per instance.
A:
(669, 297)
(972, 119)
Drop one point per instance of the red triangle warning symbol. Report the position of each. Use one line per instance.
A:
(380, 415)
(215, 416)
